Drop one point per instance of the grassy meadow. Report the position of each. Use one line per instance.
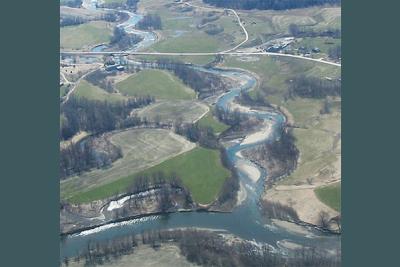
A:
(91, 92)
(85, 35)
(200, 170)
(158, 83)
(330, 195)
(209, 121)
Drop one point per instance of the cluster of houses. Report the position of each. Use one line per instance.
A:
(112, 63)
(283, 45)
(277, 44)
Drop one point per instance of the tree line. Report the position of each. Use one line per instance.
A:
(166, 184)
(150, 22)
(203, 135)
(304, 31)
(91, 152)
(335, 52)
(71, 20)
(312, 87)
(123, 40)
(76, 20)
(211, 16)
(283, 150)
(204, 248)
(98, 78)
(276, 210)
(213, 29)
(235, 119)
(99, 116)
(71, 3)
(231, 185)
(278, 156)
(259, 99)
(269, 4)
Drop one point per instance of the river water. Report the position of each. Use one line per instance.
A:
(245, 221)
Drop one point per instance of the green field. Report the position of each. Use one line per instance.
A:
(91, 92)
(330, 195)
(85, 35)
(155, 146)
(190, 42)
(209, 121)
(200, 170)
(173, 111)
(158, 83)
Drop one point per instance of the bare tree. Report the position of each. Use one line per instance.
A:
(323, 220)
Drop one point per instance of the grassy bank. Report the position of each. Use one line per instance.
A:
(330, 195)
(209, 121)
(91, 92)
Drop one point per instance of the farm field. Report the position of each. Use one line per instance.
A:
(183, 31)
(91, 92)
(318, 143)
(330, 195)
(158, 83)
(190, 42)
(172, 111)
(155, 146)
(86, 14)
(200, 170)
(85, 35)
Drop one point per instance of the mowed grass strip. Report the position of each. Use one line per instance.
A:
(157, 83)
(209, 121)
(87, 34)
(330, 195)
(91, 92)
(200, 170)
(190, 42)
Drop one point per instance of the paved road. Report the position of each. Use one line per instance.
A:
(198, 54)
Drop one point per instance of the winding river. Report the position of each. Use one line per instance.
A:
(245, 221)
